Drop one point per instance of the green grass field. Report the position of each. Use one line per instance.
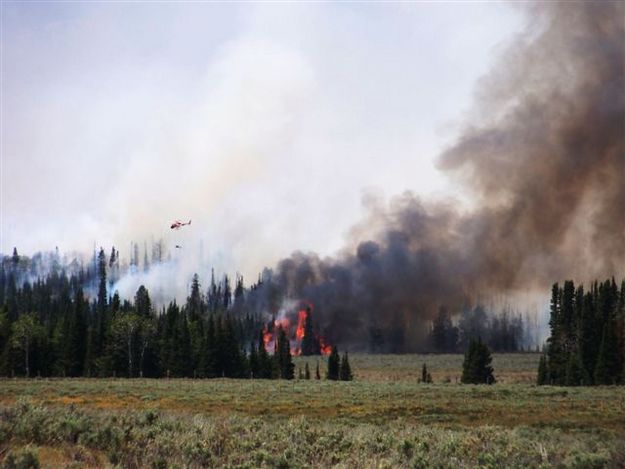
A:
(385, 418)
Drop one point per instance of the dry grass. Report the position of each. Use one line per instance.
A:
(386, 397)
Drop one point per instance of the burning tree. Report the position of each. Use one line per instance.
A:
(334, 365)
(310, 342)
(283, 356)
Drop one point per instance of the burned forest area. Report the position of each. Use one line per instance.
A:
(469, 311)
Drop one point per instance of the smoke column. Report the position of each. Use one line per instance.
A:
(543, 155)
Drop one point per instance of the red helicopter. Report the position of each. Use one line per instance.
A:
(178, 224)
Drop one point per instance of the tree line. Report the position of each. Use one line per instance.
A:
(501, 333)
(50, 328)
(587, 341)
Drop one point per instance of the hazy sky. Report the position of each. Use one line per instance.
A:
(264, 123)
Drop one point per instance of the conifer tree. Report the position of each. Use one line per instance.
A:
(602, 375)
(310, 342)
(345, 372)
(283, 356)
(334, 365)
(195, 302)
(143, 304)
(102, 298)
(476, 367)
(556, 356)
(444, 334)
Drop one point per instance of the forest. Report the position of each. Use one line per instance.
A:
(60, 318)
(587, 341)
(63, 319)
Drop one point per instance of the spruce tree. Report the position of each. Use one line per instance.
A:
(476, 367)
(345, 373)
(102, 298)
(334, 364)
(556, 354)
(286, 367)
(574, 370)
(444, 335)
(310, 343)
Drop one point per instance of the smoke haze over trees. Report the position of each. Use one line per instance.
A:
(543, 155)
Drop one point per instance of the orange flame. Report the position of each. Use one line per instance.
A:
(326, 349)
(267, 337)
(299, 333)
(284, 323)
(270, 337)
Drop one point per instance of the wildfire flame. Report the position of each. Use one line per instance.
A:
(301, 320)
(295, 337)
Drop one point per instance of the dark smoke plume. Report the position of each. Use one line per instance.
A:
(544, 157)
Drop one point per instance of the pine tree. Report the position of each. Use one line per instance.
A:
(573, 375)
(444, 335)
(143, 304)
(102, 297)
(345, 372)
(334, 365)
(195, 302)
(227, 293)
(556, 355)
(310, 342)
(476, 367)
(283, 356)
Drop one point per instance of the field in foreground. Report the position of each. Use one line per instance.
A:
(383, 419)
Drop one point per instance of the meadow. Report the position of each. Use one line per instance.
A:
(384, 418)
